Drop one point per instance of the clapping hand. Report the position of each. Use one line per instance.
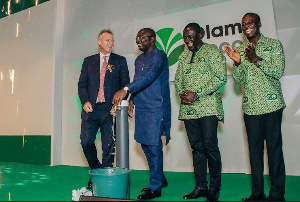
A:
(251, 54)
(233, 54)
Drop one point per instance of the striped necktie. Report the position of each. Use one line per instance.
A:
(101, 97)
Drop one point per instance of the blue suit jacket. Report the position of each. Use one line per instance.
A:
(151, 95)
(89, 80)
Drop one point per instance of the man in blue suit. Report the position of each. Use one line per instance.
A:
(101, 76)
(150, 94)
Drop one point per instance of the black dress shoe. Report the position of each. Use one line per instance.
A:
(149, 194)
(89, 185)
(213, 195)
(252, 197)
(164, 184)
(196, 193)
(272, 198)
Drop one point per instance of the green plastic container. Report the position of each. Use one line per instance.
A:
(110, 182)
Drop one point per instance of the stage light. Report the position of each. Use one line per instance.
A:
(28, 15)
(24, 132)
(12, 78)
(18, 109)
(17, 30)
(8, 12)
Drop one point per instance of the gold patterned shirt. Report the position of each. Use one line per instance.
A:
(262, 91)
(204, 75)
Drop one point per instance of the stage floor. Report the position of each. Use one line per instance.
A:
(26, 182)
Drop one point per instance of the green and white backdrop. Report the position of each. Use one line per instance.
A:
(42, 50)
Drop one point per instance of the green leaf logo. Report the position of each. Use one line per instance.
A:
(167, 44)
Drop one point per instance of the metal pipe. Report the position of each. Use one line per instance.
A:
(122, 135)
(122, 139)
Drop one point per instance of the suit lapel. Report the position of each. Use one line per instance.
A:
(96, 67)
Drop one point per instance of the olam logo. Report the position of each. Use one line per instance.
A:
(167, 44)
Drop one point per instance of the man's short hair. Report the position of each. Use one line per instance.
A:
(150, 31)
(104, 31)
(255, 15)
(196, 26)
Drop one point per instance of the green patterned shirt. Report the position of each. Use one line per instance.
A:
(262, 89)
(205, 75)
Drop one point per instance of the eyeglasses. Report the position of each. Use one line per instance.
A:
(142, 37)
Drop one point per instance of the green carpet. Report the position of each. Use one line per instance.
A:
(26, 182)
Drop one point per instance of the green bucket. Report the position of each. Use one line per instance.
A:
(110, 182)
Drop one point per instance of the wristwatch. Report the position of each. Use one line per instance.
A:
(126, 88)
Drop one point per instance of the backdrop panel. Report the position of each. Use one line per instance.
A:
(83, 21)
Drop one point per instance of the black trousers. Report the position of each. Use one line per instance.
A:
(266, 127)
(202, 135)
(99, 118)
